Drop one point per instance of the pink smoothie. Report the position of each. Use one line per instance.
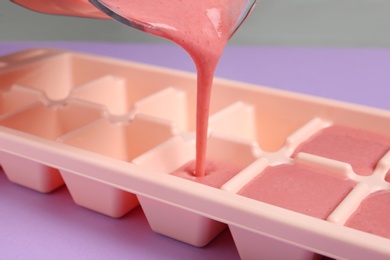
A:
(359, 148)
(202, 28)
(299, 188)
(373, 215)
(216, 174)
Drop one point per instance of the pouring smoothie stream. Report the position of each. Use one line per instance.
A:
(201, 27)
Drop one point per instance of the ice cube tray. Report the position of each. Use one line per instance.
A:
(111, 131)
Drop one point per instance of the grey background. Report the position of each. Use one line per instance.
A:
(335, 23)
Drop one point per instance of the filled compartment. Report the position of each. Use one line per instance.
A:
(226, 157)
(361, 149)
(373, 215)
(308, 185)
(302, 188)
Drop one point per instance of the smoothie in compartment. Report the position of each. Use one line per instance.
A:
(217, 172)
(373, 215)
(361, 149)
(301, 188)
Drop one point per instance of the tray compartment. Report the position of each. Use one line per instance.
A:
(361, 149)
(53, 76)
(47, 122)
(168, 104)
(15, 98)
(251, 245)
(373, 216)
(293, 187)
(237, 119)
(99, 197)
(174, 221)
(109, 91)
(325, 195)
(118, 140)
(324, 186)
(30, 174)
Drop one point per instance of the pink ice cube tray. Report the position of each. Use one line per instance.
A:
(313, 176)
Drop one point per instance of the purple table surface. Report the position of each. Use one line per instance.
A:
(51, 226)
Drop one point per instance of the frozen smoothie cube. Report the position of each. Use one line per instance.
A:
(300, 188)
(361, 149)
(216, 173)
(372, 216)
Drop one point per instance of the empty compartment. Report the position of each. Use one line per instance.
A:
(109, 91)
(127, 83)
(52, 121)
(53, 76)
(359, 148)
(372, 215)
(47, 122)
(237, 119)
(123, 140)
(16, 97)
(119, 140)
(226, 157)
(169, 104)
(59, 73)
(119, 98)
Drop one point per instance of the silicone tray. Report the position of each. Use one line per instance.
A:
(112, 131)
